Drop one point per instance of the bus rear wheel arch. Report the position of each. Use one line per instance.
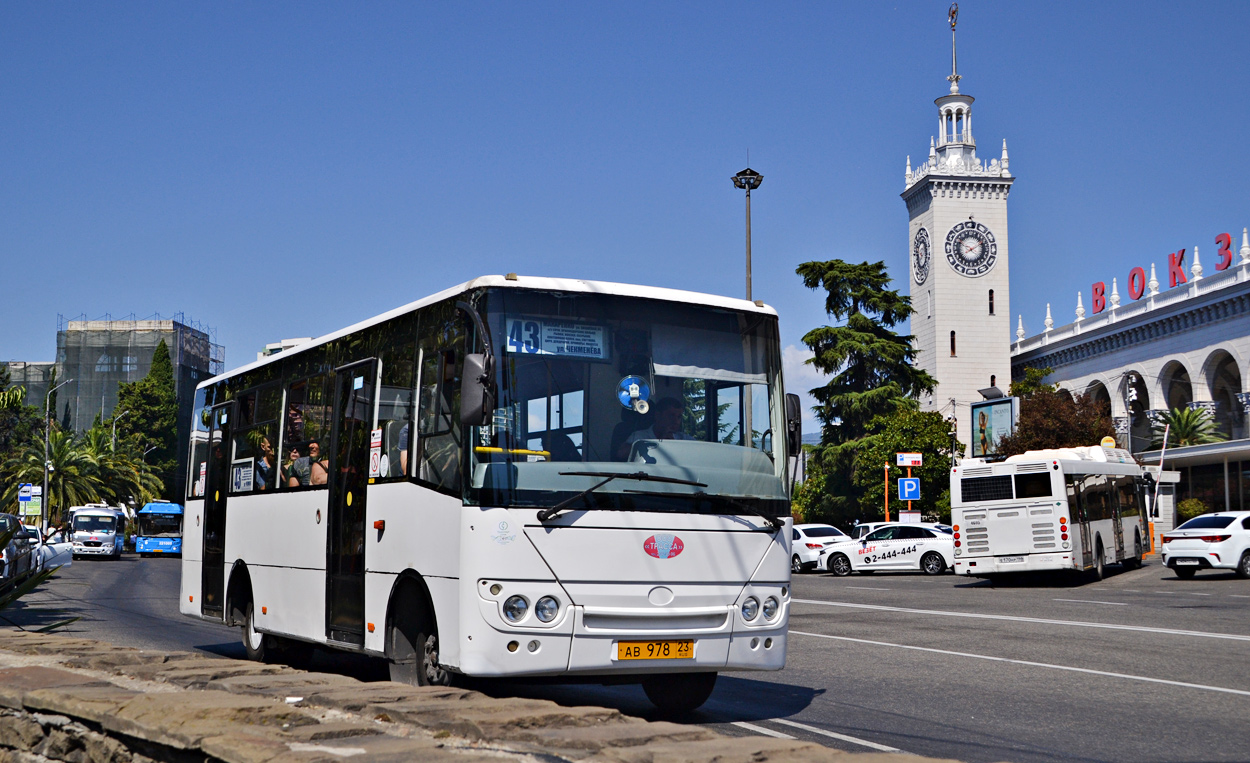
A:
(412, 644)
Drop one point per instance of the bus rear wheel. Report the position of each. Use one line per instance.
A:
(1097, 572)
(679, 693)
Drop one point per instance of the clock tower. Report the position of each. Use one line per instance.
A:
(957, 242)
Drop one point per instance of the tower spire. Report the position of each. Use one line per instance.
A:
(953, 16)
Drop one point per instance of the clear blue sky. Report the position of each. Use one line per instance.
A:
(280, 170)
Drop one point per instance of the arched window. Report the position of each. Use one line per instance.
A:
(992, 377)
(991, 301)
(952, 344)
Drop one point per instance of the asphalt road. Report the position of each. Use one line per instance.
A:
(1139, 667)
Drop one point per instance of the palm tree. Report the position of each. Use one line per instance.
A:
(122, 474)
(72, 479)
(1186, 427)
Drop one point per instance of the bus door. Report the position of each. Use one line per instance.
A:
(1076, 513)
(216, 488)
(355, 392)
(1121, 503)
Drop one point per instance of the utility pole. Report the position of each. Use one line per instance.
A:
(45, 510)
(748, 180)
(115, 418)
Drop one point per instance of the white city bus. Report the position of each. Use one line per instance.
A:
(1061, 509)
(514, 477)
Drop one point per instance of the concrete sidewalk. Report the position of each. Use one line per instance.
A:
(72, 699)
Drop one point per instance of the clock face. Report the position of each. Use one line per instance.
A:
(971, 249)
(921, 255)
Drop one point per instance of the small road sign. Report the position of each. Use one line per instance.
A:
(909, 459)
(909, 489)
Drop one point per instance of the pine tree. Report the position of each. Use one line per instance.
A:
(152, 418)
(873, 373)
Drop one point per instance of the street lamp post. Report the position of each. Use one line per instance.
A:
(45, 509)
(115, 418)
(748, 180)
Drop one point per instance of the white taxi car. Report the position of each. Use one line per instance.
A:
(807, 541)
(893, 546)
(1210, 542)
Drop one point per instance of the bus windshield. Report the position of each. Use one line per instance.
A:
(95, 524)
(160, 525)
(618, 385)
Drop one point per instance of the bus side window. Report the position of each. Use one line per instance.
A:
(1126, 493)
(439, 433)
(1095, 498)
(1075, 511)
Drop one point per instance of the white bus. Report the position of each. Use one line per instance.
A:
(1061, 509)
(514, 477)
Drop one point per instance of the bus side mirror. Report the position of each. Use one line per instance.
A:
(477, 398)
(794, 424)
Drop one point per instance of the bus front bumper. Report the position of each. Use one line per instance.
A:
(585, 650)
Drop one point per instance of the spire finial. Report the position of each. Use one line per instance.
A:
(1049, 322)
(953, 15)
(1080, 308)
(1115, 295)
(1196, 269)
(1020, 330)
(1245, 246)
(1154, 282)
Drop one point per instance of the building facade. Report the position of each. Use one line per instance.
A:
(1182, 347)
(97, 356)
(959, 274)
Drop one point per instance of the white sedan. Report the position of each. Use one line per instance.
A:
(893, 546)
(808, 540)
(1211, 541)
(54, 551)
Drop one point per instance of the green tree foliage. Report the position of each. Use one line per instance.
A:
(19, 422)
(873, 377)
(1186, 427)
(1190, 508)
(152, 418)
(1032, 382)
(1052, 418)
(908, 431)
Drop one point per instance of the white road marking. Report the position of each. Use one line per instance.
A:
(1091, 601)
(866, 588)
(761, 730)
(1069, 668)
(1019, 619)
(1193, 593)
(1238, 596)
(835, 735)
(1131, 590)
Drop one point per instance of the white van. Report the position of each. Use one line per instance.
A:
(98, 532)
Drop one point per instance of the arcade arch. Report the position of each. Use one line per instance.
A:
(1223, 378)
(1178, 392)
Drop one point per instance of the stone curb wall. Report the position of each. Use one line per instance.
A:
(82, 701)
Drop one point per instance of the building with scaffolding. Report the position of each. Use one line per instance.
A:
(97, 356)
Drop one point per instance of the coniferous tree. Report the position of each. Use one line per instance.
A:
(873, 370)
(152, 418)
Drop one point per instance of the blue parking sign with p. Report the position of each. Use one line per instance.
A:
(909, 489)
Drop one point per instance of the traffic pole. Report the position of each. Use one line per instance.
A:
(887, 492)
(909, 477)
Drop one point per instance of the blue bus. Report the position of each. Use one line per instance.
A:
(160, 529)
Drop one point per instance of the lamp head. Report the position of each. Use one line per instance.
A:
(748, 179)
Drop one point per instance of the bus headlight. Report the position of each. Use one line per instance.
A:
(516, 608)
(750, 608)
(770, 608)
(546, 609)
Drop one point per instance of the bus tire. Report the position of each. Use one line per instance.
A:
(679, 693)
(413, 641)
(1098, 572)
(932, 563)
(840, 565)
(253, 641)
(1134, 561)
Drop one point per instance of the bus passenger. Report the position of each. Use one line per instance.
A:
(667, 426)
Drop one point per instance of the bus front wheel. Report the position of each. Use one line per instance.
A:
(414, 649)
(679, 693)
(253, 641)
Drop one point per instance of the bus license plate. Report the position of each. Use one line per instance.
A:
(655, 650)
(1011, 559)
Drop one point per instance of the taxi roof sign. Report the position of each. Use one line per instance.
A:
(909, 459)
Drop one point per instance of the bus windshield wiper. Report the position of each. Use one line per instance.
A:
(546, 514)
(772, 521)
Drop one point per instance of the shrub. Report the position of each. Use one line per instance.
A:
(1190, 508)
